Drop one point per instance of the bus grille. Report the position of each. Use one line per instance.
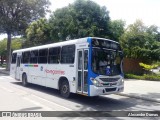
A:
(110, 89)
(109, 79)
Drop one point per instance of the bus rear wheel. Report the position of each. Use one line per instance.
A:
(64, 89)
(24, 80)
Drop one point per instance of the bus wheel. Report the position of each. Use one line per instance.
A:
(24, 80)
(64, 89)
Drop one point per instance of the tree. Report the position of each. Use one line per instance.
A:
(3, 50)
(38, 33)
(16, 44)
(15, 15)
(81, 19)
(140, 41)
(117, 29)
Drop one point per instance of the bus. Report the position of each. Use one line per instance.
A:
(88, 66)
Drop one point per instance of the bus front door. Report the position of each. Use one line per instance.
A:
(17, 75)
(82, 74)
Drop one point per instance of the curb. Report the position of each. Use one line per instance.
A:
(138, 97)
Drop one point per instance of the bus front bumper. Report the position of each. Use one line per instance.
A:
(95, 91)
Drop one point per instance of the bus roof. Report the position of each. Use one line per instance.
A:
(69, 42)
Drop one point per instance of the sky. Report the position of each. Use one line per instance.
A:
(127, 10)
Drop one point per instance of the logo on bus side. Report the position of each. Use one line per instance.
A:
(55, 72)
(41, 68)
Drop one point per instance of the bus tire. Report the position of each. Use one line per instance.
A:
(65, 89)
(24, 80)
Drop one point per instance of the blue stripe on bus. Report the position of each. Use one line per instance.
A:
(89, 40)
(90, 73)
(26, 65)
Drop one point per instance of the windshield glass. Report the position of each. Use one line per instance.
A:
(106, 62)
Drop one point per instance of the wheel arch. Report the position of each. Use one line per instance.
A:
(24, 73)
(61, 79)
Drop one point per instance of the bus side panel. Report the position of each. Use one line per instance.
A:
(37, 74)
(53, 73)
(13, 70)
(70, 73)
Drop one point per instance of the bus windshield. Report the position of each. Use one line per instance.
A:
(106, 62)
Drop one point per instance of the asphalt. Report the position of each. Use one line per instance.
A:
(139, 89)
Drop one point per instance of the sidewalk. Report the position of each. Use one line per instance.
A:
(3, 70)
(140, 89)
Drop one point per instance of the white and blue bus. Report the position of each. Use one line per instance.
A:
(88, 66)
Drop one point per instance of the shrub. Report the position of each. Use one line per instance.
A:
(152, 77)
(143, 77)
(148, 67)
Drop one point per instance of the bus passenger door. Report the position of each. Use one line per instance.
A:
(82, 74)
(18, 67)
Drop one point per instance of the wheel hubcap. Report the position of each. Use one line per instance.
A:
(64, 88)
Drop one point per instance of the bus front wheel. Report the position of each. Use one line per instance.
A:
(24, 80)
(64, 89)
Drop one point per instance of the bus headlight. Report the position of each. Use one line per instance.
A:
(96, 82)
(121, 82)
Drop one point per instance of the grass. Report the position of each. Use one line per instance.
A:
(3, 65)
(153, 77)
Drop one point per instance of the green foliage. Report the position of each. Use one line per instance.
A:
(3, 47)
(38, 33)
(117, 29)
(156, 63)
(16, 44)
(143, 77)
(140, 41)
(81, 19)
(148, 67)
(3, 65)
(133, 76)
(16, 14)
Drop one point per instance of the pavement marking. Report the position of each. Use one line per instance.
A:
(38, 104)
(24, 93)
(52, 102)
(14, 90)
(7, 77)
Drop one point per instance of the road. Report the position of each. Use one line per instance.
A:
(15, 97)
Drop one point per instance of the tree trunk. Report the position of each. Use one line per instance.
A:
(1, 60)
(8, 51)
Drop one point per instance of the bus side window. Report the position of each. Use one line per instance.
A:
(54, 55)
(25, 57)
(42, 58)
(34, 56)
(68, 54)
